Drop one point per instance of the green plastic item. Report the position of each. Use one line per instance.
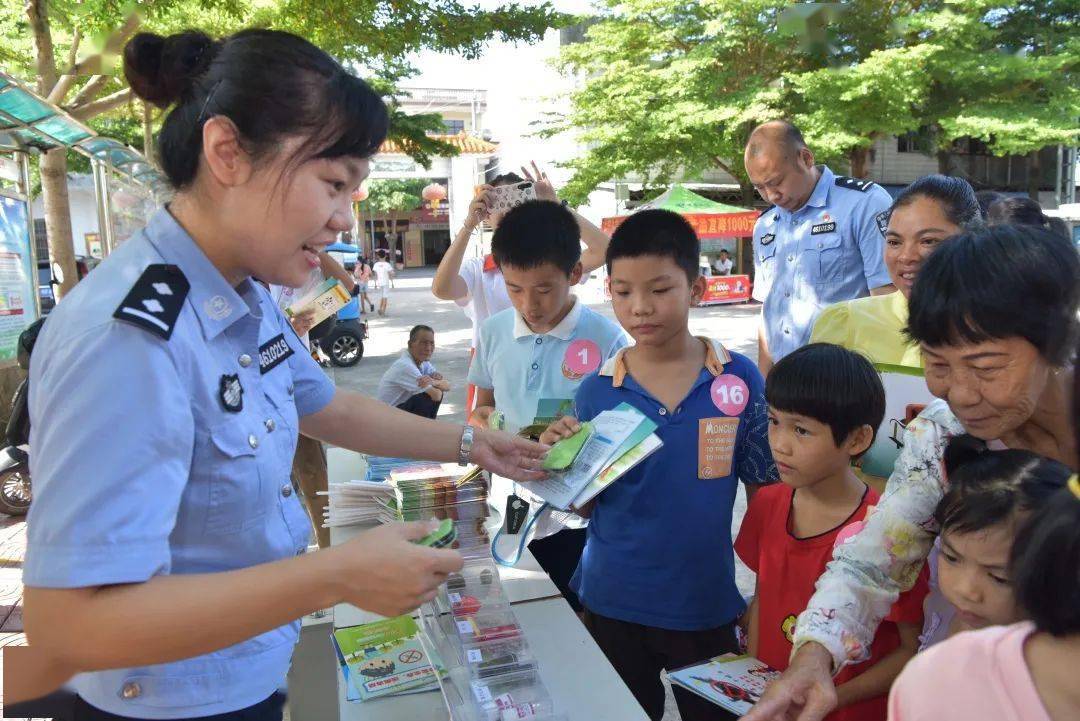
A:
(497, 421)
(441, 537)
(562, 454)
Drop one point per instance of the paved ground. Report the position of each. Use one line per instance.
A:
(411, 303)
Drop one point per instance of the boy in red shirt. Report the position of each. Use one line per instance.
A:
(825, 404)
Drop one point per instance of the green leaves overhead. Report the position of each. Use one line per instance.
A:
(377, 37)
(671, 88)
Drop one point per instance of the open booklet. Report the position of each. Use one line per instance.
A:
(732, 682)
(621, 439)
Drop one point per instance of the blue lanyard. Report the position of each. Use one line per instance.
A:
(521, 544)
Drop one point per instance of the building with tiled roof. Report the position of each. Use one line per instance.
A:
(426, 231)
(466, 145)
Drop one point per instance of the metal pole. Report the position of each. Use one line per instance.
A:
(97, 169)
(24, 167)
(108, 231)
(1058, 196)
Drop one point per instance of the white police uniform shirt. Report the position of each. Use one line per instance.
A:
(830, 250)
(165, 407)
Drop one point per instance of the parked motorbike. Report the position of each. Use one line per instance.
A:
(15, 493)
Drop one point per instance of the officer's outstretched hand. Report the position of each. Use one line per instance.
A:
(509, 456)
(383, 571)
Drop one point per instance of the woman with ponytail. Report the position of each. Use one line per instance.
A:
(167, 558)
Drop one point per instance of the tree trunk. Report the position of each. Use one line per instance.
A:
(1034, 175)
(748, 194)
(53, 164)
(54, 189)
(944, 161)
(860, 162)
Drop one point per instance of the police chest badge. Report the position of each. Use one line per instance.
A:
(767, 238)
(231, 393)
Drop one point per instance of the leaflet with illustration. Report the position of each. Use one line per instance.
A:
(730, 681)
(384, 658)
(325, 299)
(638, 453)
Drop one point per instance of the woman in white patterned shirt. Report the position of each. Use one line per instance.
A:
(995, 314)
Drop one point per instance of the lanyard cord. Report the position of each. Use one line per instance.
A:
(521, 544)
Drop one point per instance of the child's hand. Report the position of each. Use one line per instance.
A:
(303, 322)
(478, 208)
(584, 511)
(480, 416)
(424, 381)
(562, 428)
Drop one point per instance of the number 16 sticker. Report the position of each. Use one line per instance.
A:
(730, 394)
(582, 358)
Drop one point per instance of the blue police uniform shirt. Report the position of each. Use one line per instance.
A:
(167, 449)
(830, 250)
(659, 549)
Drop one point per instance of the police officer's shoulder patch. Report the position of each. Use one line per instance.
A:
(858, 184)
(155, 301)
(882, 219)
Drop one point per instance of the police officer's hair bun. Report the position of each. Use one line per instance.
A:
(161, 70)
(270, 84)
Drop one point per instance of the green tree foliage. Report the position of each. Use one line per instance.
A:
(669, 88)
(70, 49)
(390, 197)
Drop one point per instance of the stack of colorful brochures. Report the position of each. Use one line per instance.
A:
(620, 439)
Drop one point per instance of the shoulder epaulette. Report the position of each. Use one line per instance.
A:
(858, 184)
(155, 301)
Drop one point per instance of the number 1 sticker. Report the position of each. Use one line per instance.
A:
(730, 394)
(582, 358)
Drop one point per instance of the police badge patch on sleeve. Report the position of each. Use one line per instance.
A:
(231, 393)
(882, 219)
(155, 301)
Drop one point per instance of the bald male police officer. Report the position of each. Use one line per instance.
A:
(822, 242)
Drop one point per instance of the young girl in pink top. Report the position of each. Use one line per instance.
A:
(1023, 672)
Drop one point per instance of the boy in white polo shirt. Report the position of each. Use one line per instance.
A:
(540, 350)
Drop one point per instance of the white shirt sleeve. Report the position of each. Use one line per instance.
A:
(472, 272)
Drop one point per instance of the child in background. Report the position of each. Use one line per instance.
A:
(1023, 672)
(362, 274)
(825, 404)
(539, 349)
(990, 494)
(657, 577)
(383, 273)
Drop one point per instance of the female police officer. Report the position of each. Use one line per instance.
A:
(165, 562)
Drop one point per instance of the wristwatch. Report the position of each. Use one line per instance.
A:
(465, 449)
